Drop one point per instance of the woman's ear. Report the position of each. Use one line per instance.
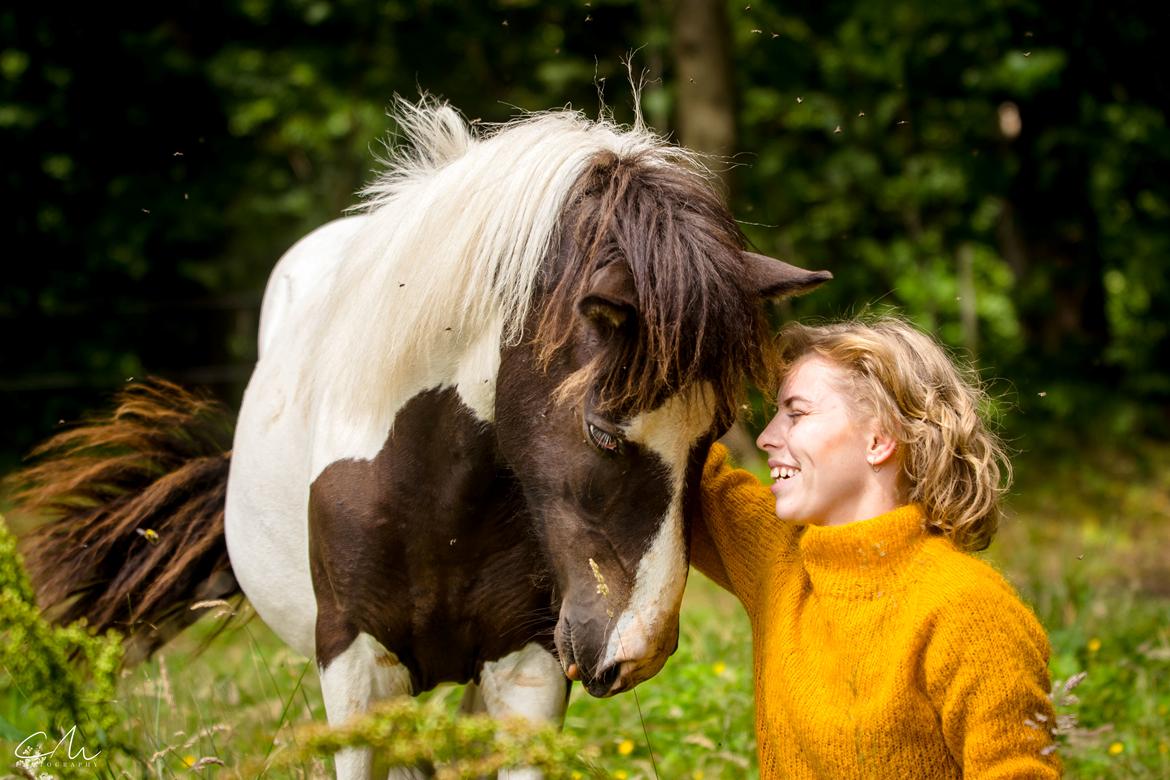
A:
(880, 447)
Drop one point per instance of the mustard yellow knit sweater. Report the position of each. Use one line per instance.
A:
(880, 650)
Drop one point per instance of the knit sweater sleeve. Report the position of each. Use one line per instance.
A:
(987, 673)
(736, 538)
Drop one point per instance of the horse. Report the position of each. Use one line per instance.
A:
(471, 441)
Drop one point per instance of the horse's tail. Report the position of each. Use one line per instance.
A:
(136, 507)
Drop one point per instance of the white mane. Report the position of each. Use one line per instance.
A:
(458, 228)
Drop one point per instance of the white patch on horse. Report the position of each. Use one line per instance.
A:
(365, 673)
(475, 379)
(528, 683)
(306, 268)
(669, 431)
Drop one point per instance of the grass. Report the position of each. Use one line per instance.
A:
(1087, 544)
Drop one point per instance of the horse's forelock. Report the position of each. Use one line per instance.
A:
(695, 321)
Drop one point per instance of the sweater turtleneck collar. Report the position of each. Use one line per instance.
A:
(856, 559)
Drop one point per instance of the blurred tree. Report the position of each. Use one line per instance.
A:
(706, 107)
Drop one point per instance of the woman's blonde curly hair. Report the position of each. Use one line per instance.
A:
(952, 464)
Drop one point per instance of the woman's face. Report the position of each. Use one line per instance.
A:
(818, 452)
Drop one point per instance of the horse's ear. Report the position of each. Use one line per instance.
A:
(611, 298)
(773, 278)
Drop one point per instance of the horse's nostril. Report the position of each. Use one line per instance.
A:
(603, 682)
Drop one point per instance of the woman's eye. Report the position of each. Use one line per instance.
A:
(603, 440)
(794, 415)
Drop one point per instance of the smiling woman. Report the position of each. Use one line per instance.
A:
(881, 648)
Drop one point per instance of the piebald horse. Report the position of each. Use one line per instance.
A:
(472, 437)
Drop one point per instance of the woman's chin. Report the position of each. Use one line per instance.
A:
(786, 513)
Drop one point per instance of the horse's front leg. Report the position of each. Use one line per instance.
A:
(529, 684)
(363, 673)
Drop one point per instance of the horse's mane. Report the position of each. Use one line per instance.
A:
(695, 321)
(460, 224)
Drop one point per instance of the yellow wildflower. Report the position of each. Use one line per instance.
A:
(625, 747)
(1094, 645)
(718, 668)
(697, 774)
(620, 774)
(188, 760)
(1116, 749)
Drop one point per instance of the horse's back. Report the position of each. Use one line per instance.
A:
(266, 520)
(305, 269)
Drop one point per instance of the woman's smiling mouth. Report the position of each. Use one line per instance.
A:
(784, 472)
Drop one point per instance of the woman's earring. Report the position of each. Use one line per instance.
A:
(875, 466)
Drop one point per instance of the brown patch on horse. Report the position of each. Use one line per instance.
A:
(135, 508)
(427, 548)
(695, 320)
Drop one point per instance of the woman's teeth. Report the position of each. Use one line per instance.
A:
(784, 472)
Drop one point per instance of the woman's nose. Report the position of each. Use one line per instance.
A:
(769, 438)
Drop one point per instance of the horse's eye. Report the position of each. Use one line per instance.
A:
(603, 440)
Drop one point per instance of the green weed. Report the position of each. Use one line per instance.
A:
(65, 678)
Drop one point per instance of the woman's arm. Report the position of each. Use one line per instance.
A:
(737, 537)
(987, 672)
(705, 555)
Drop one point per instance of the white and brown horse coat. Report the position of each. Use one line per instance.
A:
(476, 425)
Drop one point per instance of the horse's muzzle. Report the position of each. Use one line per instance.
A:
(598, 682)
